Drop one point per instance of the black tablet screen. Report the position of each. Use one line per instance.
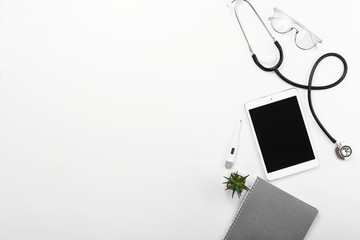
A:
(281, 133)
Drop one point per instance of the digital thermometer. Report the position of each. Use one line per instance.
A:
(234, 146)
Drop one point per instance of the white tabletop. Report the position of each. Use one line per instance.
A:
(116, 116)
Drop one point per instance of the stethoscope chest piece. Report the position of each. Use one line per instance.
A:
(344, 150)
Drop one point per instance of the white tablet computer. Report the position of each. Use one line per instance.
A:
(281, 134)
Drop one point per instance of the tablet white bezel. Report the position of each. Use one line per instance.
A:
(271, 99)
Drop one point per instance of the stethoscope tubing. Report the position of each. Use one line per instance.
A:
(309, 86)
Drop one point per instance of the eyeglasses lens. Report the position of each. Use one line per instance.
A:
(281, 22)
(305, 39)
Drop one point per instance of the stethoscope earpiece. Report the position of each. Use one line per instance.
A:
(344, 150)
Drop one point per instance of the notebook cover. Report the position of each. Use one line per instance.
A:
(269, 213)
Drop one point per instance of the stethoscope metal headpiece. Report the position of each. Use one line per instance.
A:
(255, 59)
(242, 29)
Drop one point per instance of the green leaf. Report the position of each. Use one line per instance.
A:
(237, 188)
(239, 194)
(233, 181)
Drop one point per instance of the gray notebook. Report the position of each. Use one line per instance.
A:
(269, 213)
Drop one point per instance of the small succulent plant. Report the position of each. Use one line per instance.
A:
(236, 183)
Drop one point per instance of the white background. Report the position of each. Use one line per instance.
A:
(116, 116)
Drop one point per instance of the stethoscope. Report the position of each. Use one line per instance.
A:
(343, 149)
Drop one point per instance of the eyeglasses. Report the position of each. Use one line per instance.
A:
(304, 38)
